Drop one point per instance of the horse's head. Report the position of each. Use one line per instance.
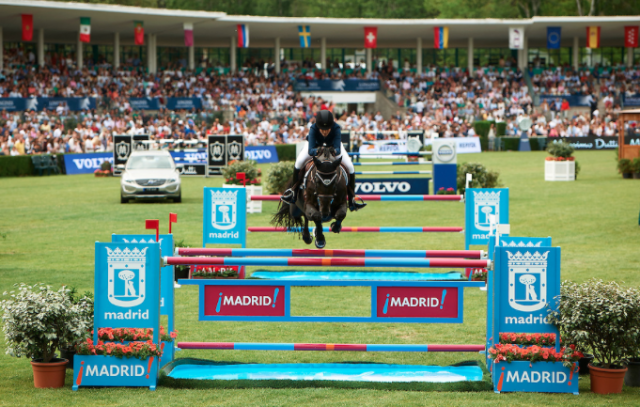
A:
(327, 173)
(326, 153)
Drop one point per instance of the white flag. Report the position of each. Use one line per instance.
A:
(516, 37)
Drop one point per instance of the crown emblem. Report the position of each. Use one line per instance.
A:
(224, 195)
(521, 244)
(527, 259)
(487, 197)
(117, 255)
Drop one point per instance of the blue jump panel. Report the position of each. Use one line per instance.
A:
(351, 275)
(330, 371)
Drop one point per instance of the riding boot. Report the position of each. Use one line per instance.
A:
(353, 205)
(291, 195)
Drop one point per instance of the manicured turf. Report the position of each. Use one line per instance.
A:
(51, 224)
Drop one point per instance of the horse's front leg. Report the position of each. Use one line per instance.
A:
(341, 213)
(314, 215)
(306, 236)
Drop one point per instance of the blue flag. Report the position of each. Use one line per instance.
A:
(304, 31)
(553, 37)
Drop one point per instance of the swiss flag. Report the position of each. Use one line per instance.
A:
(371, 37)
(631, 36)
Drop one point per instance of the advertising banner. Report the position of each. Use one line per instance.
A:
(85, 163)
(574, 100)
(223, 149)
(227, 300)
(392, 186)
(122, 146)
(225, 216)
(144, 103)
(184, 103)
(328, 85)
(464, 145)
(261, 154)
(418, 302)
(38, 104)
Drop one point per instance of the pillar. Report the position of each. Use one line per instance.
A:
(116, 50)
(369, 58)
(419, 56)
(629, 55)
(523, 54)
(40, 46)
(79, 54)
(192, 57)
(576, 53)
(232, 55)
(1, 51)
(470, 56)
(151, 53)
(323, 52)
(277, 55)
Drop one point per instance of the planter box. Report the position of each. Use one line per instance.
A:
(109, 371)
(538, 377)
(559, 170)
(252, 206)
(168, 352)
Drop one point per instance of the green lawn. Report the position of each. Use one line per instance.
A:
(51, 224)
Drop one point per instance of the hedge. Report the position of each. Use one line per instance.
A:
(482, 128)
(510, 143)
(286, 152)
(22, 166)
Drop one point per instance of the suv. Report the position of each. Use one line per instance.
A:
(150, 174)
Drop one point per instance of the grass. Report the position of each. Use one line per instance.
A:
(594, 220)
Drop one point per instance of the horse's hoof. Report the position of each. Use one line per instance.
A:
(335, 228)
(307, 239)
(320, 244)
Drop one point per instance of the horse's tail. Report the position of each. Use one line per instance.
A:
(284, 217)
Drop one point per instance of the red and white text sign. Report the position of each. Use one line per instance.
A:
(225, 300)
(417, 302)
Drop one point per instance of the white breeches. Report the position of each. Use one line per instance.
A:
(304, 156)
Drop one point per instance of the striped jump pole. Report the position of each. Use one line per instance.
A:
(470, 254)
(327, 262)
(395, 198)
(391, 172)
(346, 347)
(393, 153)
(370, 229)
(394, 163)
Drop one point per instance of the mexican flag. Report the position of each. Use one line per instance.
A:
(85, 29)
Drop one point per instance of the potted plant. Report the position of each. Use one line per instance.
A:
(448, 191)
(625, 168)
(635, 168)
(212, 272)
(39, 321)
(605, 318)
(244, 174)
(560, 165)
(86, 302)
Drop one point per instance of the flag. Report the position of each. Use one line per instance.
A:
(188, 34)
(243, 36)
(153, 224)
(27, 27)
(516, 37)
(553, 37)
(440, 37)
(631, 36)
(593, 37)
(85, 29)
(304, 31)
(138, 32)
(371, 37)
(173, 218)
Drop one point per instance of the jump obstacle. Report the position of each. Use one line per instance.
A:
(391, 172)
(391, 302)
(391, 198)
(368, 229)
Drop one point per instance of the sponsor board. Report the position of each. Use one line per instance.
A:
(464, 145)
(595, 142)
(225, 216)
(392, 186)
(221, 150)
(384, 146)
(351, 85)
(537, 377)
(184, 103)
(417, 302)
(86, 163)
(267, 301)
(144, 103)
(481, 204)
(94, 370)
(261, 154)
(38, 104)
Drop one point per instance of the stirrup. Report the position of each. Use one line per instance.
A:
(356, 206)
(289, 196)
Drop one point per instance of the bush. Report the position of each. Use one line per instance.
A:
(22, 166)
(482, 128)
(278, 176)
(510, 143)
(538, 143)
(247, 166)
(560, 149)
(635, 165)
(286, 152)
(482, 178)
(624, 166)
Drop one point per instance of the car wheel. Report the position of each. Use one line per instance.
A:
(179, 198)
(123, 200)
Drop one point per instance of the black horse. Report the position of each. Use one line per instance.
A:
(323, 198)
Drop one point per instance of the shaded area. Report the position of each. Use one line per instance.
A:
(354, 275)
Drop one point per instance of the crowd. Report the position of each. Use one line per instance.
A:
(267, 110)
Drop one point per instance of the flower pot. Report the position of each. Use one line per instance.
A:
(68, 354)
(49, 375)
(252, 206)
(559, 170)
(584, 363)
(632, 377)
(636, 175)
(606, 381)
(627, 175)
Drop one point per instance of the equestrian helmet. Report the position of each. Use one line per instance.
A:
(324, 120)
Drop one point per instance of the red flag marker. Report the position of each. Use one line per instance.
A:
(153, 224)
(241, 176)
(173, 218)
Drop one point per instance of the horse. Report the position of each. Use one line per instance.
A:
(323, 198)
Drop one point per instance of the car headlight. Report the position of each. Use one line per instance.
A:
(127, 180)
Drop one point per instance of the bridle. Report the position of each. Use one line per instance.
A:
(335, 176)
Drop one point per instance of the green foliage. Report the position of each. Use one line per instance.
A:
(560, 149)
(482, 178)
(509, 143)
(248, 167)
(635, 165)
(599, 317)
(577, 169)
(16, 166)
(278, 176)
(38, 321)
(624, 166)
(286, 152)
(538, 143)
(482, 127)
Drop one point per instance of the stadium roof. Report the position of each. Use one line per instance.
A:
(60, 20)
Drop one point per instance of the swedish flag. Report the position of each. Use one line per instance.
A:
(305, 36)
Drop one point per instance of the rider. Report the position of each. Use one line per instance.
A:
(324, 131)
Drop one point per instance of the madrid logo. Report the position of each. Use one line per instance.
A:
(122, 150)
(527, 281)
(223, 209)
(235, 151)
(126, 284)
(216, 151)
(485, 204)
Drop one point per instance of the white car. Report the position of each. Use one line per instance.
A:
(150, 175)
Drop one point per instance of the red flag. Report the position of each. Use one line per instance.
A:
(631, 36)
(241, 176)
(173, 218)
(138, 31)
(27, 27)
(153, 224)
(371, 37)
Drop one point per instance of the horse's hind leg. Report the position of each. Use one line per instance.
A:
(306, 236)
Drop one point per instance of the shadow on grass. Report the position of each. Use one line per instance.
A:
(166, 381)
